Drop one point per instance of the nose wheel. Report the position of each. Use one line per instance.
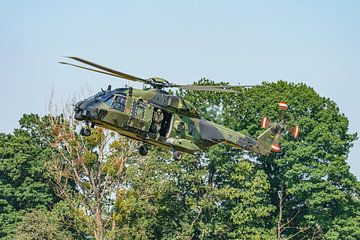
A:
(143, 150)
(85, 132)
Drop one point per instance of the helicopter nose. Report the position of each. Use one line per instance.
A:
(85, 110)
(77, 106)
(79, 111)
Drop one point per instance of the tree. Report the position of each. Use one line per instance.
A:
(311, 185)
(23, 177)
(88, 174)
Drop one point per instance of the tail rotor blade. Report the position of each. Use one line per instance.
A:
(275, 147)
(295, 131)
(283, 106)
(266, 123)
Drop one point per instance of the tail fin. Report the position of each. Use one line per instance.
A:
(265, 142)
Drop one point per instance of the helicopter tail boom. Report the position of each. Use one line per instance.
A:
(269, 140)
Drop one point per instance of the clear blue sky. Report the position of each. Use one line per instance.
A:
(316, 42)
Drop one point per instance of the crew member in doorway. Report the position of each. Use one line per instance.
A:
(158, 118)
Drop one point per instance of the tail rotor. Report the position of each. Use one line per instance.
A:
(278, 128)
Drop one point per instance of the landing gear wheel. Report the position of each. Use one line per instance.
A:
(177, 155)
(85, 132)
(143, 150)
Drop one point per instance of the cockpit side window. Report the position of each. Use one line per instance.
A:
(119, 103)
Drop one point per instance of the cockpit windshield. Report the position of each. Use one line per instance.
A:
(103, 96)
(114, 99)
(106, 95)
(117, 102)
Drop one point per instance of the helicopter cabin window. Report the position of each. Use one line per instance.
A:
(119, 103)
(138, 109)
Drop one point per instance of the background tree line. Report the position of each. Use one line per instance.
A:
(56, 184)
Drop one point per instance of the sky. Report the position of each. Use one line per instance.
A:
(240, 42)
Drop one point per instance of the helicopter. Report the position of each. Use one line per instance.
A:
(152, 116)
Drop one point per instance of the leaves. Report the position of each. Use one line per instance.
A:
(24, 181)
(318, 187)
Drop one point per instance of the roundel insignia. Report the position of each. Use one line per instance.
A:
(283, 105)
(264, 123)
(276, 148)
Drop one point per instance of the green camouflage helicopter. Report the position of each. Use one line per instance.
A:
(153, 116)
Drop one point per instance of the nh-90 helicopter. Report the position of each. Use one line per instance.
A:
(153, 116)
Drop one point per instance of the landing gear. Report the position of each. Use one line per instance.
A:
(177, 155)
(143, 150)
(85, 132)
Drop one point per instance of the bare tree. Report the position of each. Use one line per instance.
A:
(89, 171)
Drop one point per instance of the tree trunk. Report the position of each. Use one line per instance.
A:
(279, 225)
(99, 224)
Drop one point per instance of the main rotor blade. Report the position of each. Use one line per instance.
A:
(90, 69)
(203, 88)
(236, 86)
(112, 71)
(214, 88)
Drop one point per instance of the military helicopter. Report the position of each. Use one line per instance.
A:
(153, 116)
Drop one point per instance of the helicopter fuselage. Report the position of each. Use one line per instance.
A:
(132, 113)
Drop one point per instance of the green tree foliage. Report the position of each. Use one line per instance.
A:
(185, 199)
(23, 175)
(41, 225)
(311, 185)
(226, 193)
